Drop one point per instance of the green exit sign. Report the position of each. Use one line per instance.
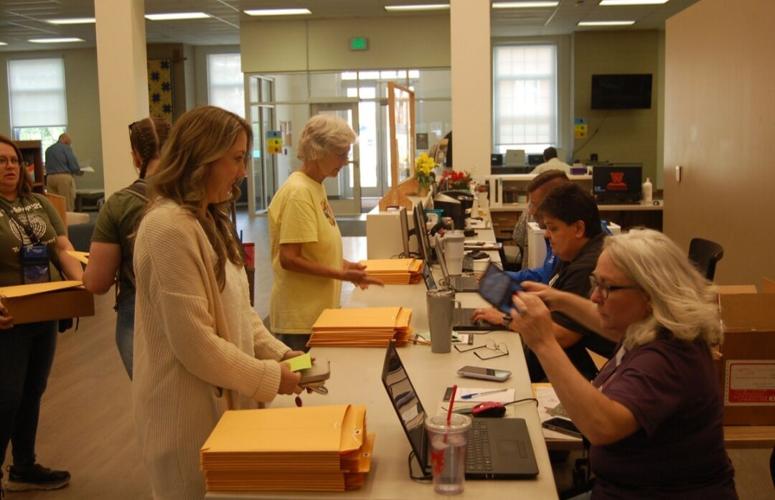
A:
(359, 43)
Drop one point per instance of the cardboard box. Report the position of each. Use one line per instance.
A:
(747, 366)
(49, 306)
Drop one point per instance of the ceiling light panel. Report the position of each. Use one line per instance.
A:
(176, 16)
(612, 3)
(418, 7)
(277, 12)
(606, 23)
(523, 5)
(72, 20)
(55, 40)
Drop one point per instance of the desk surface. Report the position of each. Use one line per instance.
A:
(355, 378)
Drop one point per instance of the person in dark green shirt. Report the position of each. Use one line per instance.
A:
(33, 249)
(113, 238)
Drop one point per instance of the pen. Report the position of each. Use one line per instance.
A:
(477, 394)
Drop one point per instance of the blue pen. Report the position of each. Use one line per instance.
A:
(477, 394)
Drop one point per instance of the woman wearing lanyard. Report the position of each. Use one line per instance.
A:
(33, 248)
(653, 415)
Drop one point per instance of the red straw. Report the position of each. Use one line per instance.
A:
(451, 403)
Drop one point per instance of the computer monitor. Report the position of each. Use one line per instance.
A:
(421, 232)
(452, 208)
(617, 183)
(535, 159)
(404, 229)
(515, 157)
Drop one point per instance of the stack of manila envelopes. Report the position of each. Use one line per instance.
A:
(362, 327)
(317, 448)
(395, 271)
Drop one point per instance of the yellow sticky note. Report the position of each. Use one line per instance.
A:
(299, 362)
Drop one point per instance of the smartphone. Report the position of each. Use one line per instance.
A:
(484, 373)
(562, 425)
(497, 287)
(319, 372)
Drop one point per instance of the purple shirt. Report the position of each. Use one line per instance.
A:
(671, 388)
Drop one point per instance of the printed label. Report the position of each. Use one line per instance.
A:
(749, 383)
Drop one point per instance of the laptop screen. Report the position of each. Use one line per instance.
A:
(442, 261)
(427, 275)
(405, 402)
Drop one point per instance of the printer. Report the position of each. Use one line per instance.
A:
(464, 197)
(452, 208)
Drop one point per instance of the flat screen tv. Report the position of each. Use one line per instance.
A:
(621, 91)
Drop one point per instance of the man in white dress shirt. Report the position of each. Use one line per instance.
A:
(551, 162)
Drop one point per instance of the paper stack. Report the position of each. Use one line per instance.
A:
(361, 327)
(395, 271)
(317, 448)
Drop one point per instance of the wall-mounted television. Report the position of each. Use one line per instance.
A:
(621, 91)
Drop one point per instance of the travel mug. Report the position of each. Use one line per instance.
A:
(440, 305)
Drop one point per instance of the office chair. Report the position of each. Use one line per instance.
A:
(705, 254)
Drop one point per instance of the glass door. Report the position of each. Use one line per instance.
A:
(344, 191)
(262, 174)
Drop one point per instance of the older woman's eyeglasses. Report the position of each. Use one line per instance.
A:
(491, 350)
(604, 289)
(5, 160)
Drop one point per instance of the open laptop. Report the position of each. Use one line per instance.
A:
(498, 448)
(457, 283)
(461, 316)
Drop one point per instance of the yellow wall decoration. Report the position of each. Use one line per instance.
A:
(160, 88)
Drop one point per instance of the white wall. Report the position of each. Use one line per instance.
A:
(719, 127)
(323, 44)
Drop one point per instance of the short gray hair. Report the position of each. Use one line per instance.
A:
(322, 134)
(682, 300)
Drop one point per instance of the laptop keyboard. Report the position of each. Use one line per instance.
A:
(478, 458)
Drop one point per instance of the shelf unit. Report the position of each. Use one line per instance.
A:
(32, 155)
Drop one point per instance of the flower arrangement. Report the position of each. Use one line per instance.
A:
(423, 171)
(453, 179)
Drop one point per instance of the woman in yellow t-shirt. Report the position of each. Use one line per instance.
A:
(305, 239)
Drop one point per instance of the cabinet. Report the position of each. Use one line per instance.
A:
(511, 190)
(32, 159)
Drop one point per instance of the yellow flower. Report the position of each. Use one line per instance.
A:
(424, 164)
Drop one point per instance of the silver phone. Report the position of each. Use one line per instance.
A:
(318, 373)
(481, 372)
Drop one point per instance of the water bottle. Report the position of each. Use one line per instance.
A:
(647, 191)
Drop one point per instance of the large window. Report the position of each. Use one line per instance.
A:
(225, 87)
(36, 88)
(524, 97)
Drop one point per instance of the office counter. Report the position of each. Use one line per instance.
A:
(356, 378)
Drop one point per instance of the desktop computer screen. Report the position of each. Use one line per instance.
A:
(617, 183)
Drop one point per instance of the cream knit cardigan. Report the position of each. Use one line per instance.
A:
(189, 365)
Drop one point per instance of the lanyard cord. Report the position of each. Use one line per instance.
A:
(27, 228)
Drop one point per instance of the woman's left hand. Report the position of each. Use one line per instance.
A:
(532, 320)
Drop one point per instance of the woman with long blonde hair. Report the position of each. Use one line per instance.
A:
(200, 347)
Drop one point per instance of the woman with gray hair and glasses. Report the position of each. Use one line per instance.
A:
(654, 414)
(306, 243)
